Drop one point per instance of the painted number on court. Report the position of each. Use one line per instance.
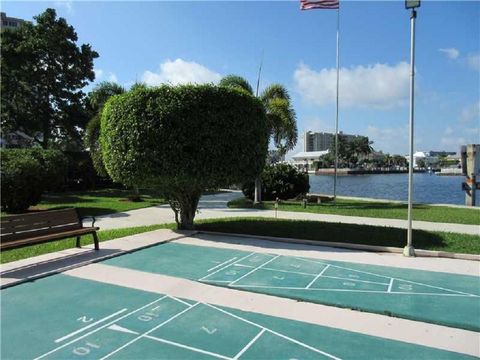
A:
(346, 283)
(406, 287)
(209, 331)
(150, 314)
(84, 319)
(86, 349)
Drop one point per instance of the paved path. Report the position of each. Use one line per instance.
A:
(215, 206)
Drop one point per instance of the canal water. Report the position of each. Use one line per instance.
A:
(427, 188)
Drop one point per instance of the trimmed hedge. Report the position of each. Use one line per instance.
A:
(27, 173)
(281, 180)
(183, 140)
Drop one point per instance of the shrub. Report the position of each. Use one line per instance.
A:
(54, 168)
(22, 181)
(27, 173)
(282, 181)
(183, 140)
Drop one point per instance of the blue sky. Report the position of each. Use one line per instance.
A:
(201, 41)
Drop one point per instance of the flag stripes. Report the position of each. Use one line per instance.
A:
(319, 4)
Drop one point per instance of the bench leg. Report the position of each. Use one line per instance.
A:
(78, 242)
(95, 240)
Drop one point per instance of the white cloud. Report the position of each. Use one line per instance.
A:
(181, 72)
(470, 113)
(101, 75)
(98, 73)
(390, 140)
(378, 86)
(451, 53)
(112, 77)
(473, 61)
(66, 4)
(448, 130)
(453, 142)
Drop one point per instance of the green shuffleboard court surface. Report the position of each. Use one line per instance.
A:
(63, 317)
(439, 298)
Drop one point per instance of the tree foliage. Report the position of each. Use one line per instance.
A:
(280, 113)
(96, 100)
(27, 173)
(350, 150)
(43, 71)
(183, 140)
(281, 181)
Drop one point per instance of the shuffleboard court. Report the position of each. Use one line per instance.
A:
(63, 317)
(439, 298)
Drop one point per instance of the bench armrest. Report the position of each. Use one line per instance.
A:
(88, 217)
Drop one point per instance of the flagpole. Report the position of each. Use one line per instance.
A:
(336, 116)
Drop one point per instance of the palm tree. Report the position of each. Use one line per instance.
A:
(280, 113)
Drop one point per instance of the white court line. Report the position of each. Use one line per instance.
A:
(390, 285)
(274, 332)
(100, 328)
(219, 265)
(89, 326)
(271, 269)
(149, 331)
(252, 271)
(309, 274)
(344, 268)
(437, 287)
(246, 347)
(186, 347)
(389, 277)
(347, 290)
(356, 280)
(181, 301)
(316, 277)
(222, 268)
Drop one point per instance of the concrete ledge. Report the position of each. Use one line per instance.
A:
(374, 248)
(20, 271)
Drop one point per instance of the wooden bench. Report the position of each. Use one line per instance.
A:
(36, 228)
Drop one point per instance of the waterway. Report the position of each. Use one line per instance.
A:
(427, 188)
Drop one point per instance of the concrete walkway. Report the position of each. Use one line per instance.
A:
(215, 206)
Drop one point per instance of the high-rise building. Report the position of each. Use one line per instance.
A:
(320, 141)
(10, 22)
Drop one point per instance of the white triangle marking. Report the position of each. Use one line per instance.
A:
(116, 327)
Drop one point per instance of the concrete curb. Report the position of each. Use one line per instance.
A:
(374, 248)
(73, 265)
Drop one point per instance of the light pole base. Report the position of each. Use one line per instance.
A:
(409, 251)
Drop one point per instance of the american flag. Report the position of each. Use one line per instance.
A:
(319, 4)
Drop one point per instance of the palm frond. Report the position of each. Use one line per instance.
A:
(237, 82)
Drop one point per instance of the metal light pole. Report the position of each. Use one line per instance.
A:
(409, 250)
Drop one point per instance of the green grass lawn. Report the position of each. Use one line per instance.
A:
(297, 229)
(98, 202)
(374, 209)
(344, 233)
(103, 235)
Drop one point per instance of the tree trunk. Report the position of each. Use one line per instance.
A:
(258, 191)
(188, 207)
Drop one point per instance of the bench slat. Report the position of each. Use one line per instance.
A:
(39, 220)
(41, 239)
(35, 228)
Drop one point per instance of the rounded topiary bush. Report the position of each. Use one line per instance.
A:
(22, 182)
(281, 180)
(183, 140)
